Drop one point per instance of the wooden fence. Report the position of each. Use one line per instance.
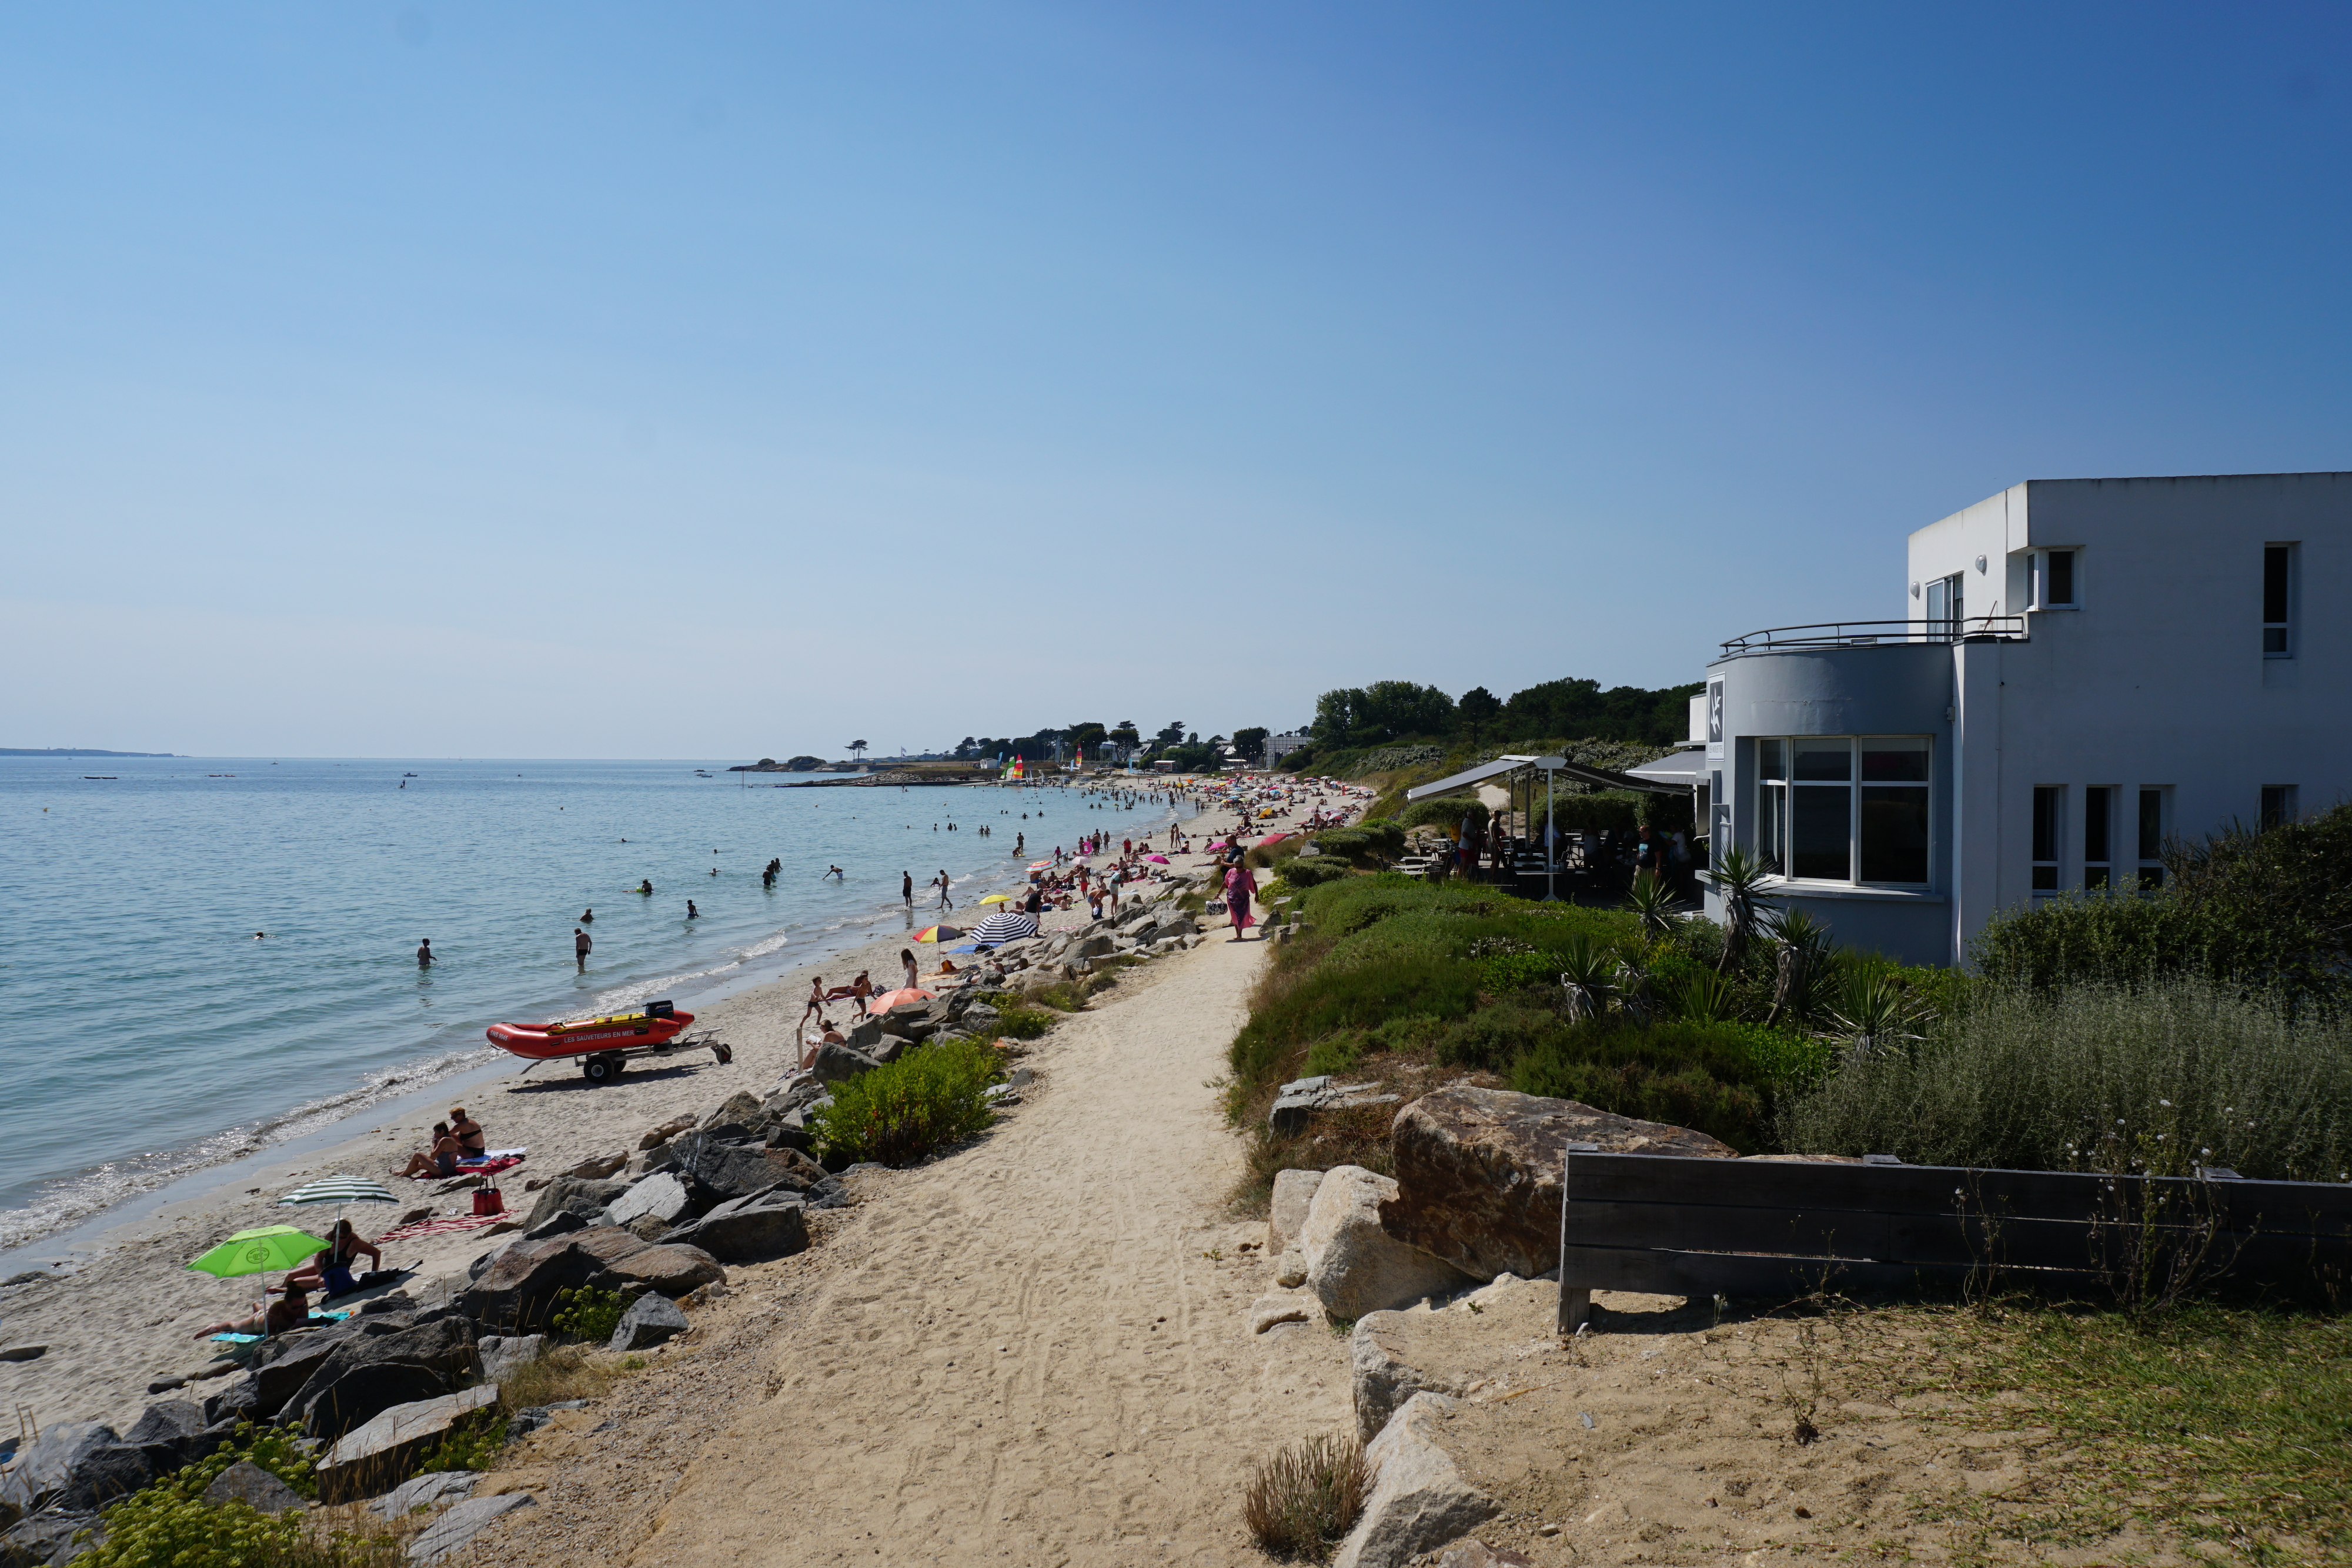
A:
(1700, 1228)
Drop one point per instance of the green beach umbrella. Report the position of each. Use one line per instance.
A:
(272, 1246)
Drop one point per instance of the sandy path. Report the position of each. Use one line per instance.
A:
(1022, 1354)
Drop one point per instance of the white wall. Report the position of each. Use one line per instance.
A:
(2158, 679)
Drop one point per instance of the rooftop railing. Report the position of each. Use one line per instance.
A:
(1876, 634)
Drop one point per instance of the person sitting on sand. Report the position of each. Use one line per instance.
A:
(344, 1246)
(441, 1159)
(471, 1143)
(947, 967)
(291, 1312)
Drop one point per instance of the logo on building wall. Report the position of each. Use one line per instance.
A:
(1714, 720)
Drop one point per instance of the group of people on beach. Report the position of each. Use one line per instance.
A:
(458, 1138)
(327, 1273)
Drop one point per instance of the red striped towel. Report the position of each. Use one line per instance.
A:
(445, 1225)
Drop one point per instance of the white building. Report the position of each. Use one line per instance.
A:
(1278, 747)
(2085, 668)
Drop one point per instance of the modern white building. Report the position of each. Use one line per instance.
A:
(2085, 668)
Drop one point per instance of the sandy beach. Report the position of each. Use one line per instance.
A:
(125, 1318)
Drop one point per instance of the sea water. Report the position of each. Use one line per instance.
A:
(151, 1032)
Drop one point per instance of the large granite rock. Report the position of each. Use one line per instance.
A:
(381, 1451)
(724, 1171)
(1354, 1266)
(1478, 1173)
(364, 1374)
(249, 1484)
(1294, 1194)
(177, 1425)
(48, 1539)
(461, 1522)
(1381, 1369)
(434, 1488)
(1296, 1105)
(649, 1321)
(518, 1291)
(362, 1393)
(1419, 1500)
(582, 1195)
(664, 1197)
(502, 1354)
(772, 1224)
(45, 1468)
(835, 1063)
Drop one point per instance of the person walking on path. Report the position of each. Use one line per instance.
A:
(580, 946)
(945, 902)
(1239, 886)
(425, 954)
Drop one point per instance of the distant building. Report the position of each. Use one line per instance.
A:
(1278, 747)
(2088, 668)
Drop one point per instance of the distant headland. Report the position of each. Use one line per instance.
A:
(74, 751)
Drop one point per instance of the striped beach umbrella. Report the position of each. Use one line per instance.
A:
(340, 1189)
(1004, 925)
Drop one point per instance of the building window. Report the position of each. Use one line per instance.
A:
(2098, 836)
(2053, 580)
(1773, 804)
(2278, 565)
(1844, 808)
(2278, 805)
(1946, 606)
(2151, 838)
(2049, 807)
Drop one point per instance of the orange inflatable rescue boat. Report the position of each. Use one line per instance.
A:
(604, 1045)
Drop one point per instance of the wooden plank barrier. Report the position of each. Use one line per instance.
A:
(1668, 1225)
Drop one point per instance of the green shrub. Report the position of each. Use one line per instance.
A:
(1447, 814)
(1619, 809)
(901, 1112)
(1336, 1053)
(1314, 870)
(472, 1443)
(1700, 1076)
(588, 1313)
(168, 1521)
(1301, 1502)
(1329, 1000)
(1492, 1036)
(2098, 1077)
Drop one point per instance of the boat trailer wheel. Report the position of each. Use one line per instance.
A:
(601, 1068)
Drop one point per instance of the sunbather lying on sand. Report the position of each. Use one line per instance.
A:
(291, 1312)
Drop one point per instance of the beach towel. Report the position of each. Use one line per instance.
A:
(490, 1167)
(445, 1225)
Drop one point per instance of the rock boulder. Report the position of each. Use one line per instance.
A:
(1294, 1193)
(249, 1484)
(1353, 1265)
(649, 1321)
(1478, 1173)
(664, 1197)
(749, 1229)
(384, 1447)
(583, 1196)
(1419, 1500)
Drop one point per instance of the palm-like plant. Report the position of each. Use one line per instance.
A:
(1876, 1012)
(1652, 901)
(1703, 996)
(1586, 971)
(1633, 983)
(1738, 876)
(1801, 941)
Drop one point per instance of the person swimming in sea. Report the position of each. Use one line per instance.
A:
(647, 887)
(588, 917)
(691, 911)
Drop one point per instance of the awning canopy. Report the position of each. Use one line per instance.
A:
(1599, 777)
(1685, 769)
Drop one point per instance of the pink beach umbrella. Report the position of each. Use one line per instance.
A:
(1161, 859)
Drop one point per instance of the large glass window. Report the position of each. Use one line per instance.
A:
(2151, 837)
(1844, 808)
(2049, 807)
(2278, 602)
(2098, 836)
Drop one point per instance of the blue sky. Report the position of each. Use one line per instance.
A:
(581, 379)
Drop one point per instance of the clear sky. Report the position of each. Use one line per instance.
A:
(737, 380)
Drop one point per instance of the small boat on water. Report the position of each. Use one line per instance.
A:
(100, 775)
(604, 1046)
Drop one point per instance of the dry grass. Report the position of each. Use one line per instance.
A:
(567, 1372)
(1303, 1502)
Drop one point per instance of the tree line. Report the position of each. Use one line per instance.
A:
(1389, 713)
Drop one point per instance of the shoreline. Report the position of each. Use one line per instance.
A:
(129, 1274)
(439, 1066)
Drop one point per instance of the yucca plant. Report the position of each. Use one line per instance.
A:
(1587, 969)
(1801, 942)
(1876, 1012)
(1738, 876)
(1651, 900)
